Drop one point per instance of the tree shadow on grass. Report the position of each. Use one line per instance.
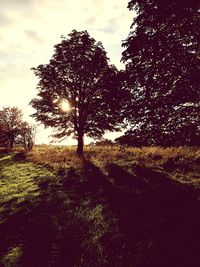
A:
(116, 219)
(45, 228)
(158, 217)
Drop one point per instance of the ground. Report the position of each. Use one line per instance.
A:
(114, 207)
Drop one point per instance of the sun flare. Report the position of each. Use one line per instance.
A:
(65, 106)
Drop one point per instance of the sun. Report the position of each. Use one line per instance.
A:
(65, 106)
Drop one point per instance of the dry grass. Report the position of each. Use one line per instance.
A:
(181, 163)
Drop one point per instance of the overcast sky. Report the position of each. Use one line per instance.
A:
(30, 29)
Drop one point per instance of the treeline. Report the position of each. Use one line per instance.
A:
(14, 130)
(187, 135)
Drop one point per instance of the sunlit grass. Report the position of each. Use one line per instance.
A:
(181, 163)
(18, 181)
(12, 257)
(29, 183)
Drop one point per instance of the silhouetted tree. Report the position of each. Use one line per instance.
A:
(3, 138)
(26, 137)
(78, 90)
(15, 131)
(10, 123)
(163, 65)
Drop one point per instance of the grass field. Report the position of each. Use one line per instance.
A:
(114, 207)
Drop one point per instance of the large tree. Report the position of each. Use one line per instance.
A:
(162, 59)
(78, 90)
(26, 136)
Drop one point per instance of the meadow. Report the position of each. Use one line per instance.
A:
(115, 206)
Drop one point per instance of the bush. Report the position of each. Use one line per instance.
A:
(20, 156)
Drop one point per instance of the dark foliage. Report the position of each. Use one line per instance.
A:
(15, 131)
(10, 122)
(141, 136)
(26, 136)
(163, 66)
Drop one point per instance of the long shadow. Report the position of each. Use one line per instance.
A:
(46, 228)
(159, 219)
(155, 220)
(143, 219)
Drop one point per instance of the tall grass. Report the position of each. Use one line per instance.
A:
(181, 163)
(61, 154)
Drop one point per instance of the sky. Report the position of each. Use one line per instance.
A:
(30, 28)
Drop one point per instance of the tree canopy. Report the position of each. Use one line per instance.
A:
(13, 130)
(79, 78)
(162, 60)
(10, 121)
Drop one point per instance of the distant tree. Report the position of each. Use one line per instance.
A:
(10, 123)
(130, 138)
(104, 142)
(13, 130)
(162, 60)
(79, 92)
(3, 138)
(26, 136)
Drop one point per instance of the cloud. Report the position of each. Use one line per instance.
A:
(4, 20)
(33, 35)
(111, 26)
(4, 56)
(17, 2)
(90, 20)
(108, 29)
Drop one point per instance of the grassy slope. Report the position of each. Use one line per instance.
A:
(117, 207)
(181, 164)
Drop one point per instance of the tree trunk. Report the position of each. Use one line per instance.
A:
(11, 141)
(79, 150)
